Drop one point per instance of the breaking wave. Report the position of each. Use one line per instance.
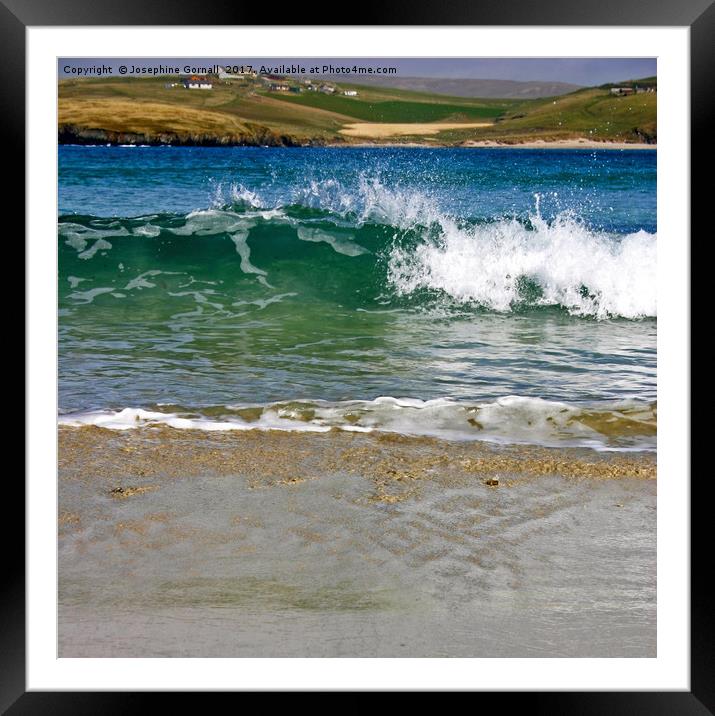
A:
(403, 248)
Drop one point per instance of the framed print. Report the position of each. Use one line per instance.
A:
(347, 350)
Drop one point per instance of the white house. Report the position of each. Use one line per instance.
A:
(195, 82)
(622, 91)
(350, 93)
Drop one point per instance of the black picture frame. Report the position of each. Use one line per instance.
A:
(699, 15)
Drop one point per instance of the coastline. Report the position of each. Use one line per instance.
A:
(562, 144)
(263, 137)
(495, 144)
(486, 144)
(194, 543)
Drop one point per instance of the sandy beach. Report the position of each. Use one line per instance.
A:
(562, 144)
(492, 144)
(266, 543)
(537, 144)
(379, 130)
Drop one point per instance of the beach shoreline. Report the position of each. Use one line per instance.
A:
(97, 138)
(495, 144)
(269, 543)
(561, 144)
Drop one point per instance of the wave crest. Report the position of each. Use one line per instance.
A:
(509, 264)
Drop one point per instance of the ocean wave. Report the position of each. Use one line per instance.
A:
(510, 419)
(417, 254)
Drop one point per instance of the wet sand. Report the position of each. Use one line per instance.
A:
(191, 543)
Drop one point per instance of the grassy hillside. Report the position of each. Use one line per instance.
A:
(590, 113)
(156, 108)
(460, 87)
(246, 111)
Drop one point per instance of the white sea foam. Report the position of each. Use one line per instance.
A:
(264, 302)
(98, 245)
(340, 243)
(562, 263)
(511, 419)
(75, 281)
(240, 240)
(78, 236)
(141, 281)
(207, 222)
(89, 295)
(150, 230)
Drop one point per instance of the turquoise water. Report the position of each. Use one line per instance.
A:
(504, 295)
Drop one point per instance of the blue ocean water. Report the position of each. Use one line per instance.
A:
(500, 294)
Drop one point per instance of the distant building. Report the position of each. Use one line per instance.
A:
(327, 89)
(279, 88)
(622, 91)
(350, 93)
(196, 82)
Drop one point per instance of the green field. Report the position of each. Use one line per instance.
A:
(246, 111)
(372, 106)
